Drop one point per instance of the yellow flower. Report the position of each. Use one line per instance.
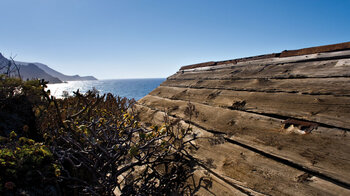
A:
(13, 135)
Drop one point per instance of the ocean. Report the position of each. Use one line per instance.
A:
(130, 88)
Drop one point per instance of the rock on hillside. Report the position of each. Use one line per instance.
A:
(28, 71)
(31, 71)
(42, 71)
(61, 76)
(274, 124)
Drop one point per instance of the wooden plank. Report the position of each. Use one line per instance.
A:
(233, 61)
(317, 49)
(325, 109)
(285, 53)
(328, 155)
(273, 61)
(248, 169)
(214, 186)
(325, 68)
(314, 86)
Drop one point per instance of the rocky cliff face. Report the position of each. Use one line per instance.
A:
(274, 124)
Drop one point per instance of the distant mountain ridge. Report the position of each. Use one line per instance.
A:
(42, 71)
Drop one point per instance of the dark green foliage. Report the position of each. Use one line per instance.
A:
(17, 100)
(26, 166)
(100, 146)
(87, 144)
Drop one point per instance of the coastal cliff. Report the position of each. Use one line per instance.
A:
(30, 71)
(275, 124)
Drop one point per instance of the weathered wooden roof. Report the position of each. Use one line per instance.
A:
(274, 124)
(285, 53)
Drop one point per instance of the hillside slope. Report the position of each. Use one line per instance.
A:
(274, 124)
(28, 71)
(59, 75)
(42, 71)
(31, 71)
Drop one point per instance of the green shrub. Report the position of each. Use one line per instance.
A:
(18, 102)
(26, 165)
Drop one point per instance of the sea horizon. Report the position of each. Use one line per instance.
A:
(130, 88)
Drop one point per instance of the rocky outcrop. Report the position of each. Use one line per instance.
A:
(274, 124)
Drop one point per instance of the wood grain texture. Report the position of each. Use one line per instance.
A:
(326, 109)
(251, 171)
(283, 123)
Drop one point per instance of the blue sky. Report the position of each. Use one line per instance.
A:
(154, 38)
